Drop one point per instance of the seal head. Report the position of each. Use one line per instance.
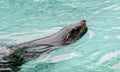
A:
(21, 53)
(76, 32)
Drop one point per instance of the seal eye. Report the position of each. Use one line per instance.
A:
(73, 35)
(76, 30)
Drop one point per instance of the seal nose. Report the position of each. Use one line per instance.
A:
(83, 23)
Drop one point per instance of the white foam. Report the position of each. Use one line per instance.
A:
(107, 29)
(95, 54)
(91, 34)
(118, 37)
(107, 1)
(57, 58)
(107, 37)
(108, 57)
(109, 7)
(27, 36)
(96, 12)
(117, 8)
(118, 17)
(63, 57)
(115, 27)
(116, 66)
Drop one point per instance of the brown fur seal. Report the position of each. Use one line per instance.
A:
(12, 57)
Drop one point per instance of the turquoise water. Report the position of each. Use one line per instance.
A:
(97, 51)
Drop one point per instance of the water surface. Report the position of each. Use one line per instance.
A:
(97, 51)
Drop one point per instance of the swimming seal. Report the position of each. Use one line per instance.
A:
(12, 57)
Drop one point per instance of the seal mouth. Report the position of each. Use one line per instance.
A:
(77, 32)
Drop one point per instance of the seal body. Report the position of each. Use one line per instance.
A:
(12, 57)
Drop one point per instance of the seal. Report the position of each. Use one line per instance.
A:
(12, 57)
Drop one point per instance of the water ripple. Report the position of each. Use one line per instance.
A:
(91, 34)
(116, 66)
(109, 7)
(107, 57)
(58, 58)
